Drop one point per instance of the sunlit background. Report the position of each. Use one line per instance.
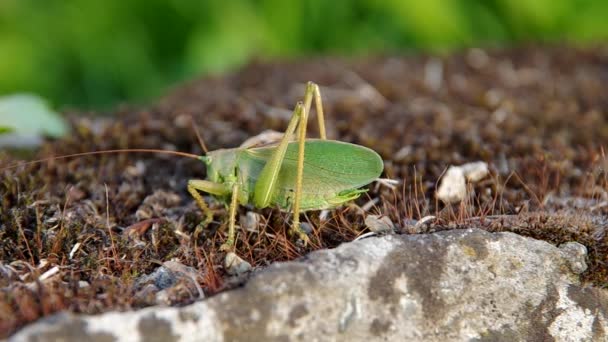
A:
(93, 54)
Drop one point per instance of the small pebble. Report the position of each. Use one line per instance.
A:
(474, 172)
(306, 228)
(250, 222)
(477, 58)
(166, 277)
(453, 188)
(433, 74)
(423, 221)
(234, 265)
(379, 223)
(403, 153)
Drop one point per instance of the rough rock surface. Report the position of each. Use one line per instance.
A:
(449, 286)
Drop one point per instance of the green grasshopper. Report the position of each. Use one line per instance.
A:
(301, 175)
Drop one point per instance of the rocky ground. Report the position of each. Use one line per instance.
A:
(86, 234)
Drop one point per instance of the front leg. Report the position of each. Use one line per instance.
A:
(218, 189)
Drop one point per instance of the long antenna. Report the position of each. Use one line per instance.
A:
(129, 150)
(198, 135)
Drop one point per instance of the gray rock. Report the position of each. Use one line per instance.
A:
(168, 284)
(462, 285)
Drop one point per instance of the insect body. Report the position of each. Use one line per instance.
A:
(333, 172)
(302, 175)
(293, 174)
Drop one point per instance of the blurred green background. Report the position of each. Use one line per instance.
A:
(92, 54)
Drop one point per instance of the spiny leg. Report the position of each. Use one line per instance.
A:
(265, 186)
(196, 185)
(312, 91)
(300, 167)
(229, 244)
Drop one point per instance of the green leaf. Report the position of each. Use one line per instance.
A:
(29, 115)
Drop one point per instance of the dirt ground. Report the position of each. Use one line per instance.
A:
(538, 116)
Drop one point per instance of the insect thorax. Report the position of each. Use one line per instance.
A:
(221, 165)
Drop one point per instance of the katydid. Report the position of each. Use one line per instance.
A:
(293, 175)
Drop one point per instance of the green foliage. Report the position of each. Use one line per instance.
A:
(94, 53)
(28, 117)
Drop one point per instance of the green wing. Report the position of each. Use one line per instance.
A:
(333, 172)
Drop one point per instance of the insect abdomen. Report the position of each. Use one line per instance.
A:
(333, 172)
